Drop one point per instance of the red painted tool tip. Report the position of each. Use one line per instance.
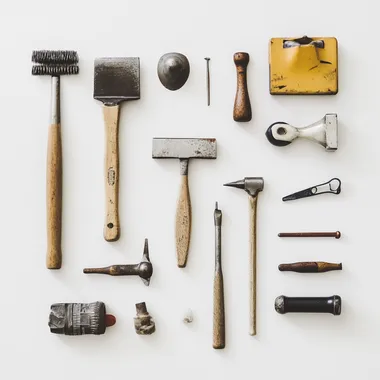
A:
(110, 320)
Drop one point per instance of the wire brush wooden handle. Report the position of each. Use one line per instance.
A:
(54, 198)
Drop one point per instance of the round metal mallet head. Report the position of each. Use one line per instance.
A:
(173, 69)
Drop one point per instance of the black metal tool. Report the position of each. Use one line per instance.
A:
(333, 186)
(80, 318)
(332, 305)
(144, 269)
(54, 63)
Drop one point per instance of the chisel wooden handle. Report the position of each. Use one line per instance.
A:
(310, 267)
(112, 223)
(183, 217)
(330, 305)
(219, 335)
(54, 197)
(242, 107)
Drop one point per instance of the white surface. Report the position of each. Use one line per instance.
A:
(290, 346)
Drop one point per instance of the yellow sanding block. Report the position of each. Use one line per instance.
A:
(303, 66)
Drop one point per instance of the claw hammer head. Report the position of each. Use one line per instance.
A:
(252, 185)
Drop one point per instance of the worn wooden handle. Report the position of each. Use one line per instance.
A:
(54, 198)
(183, 223)
(242, 107)
(219, 335)
(252, 266)
(310, 267)
(112, 224)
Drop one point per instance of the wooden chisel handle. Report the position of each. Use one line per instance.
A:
(310, 267)
(183, 217)
(242, 107)
(54, 197)
(219, 335)
(112, 223)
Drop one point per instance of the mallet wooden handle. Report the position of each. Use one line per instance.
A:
(183, 217)
(252, 266)
(242, 107)
(54, 197)
(112, 223)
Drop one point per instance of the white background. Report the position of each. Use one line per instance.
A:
(292, 346)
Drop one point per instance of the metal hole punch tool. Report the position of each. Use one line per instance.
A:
(333, 186)
(323, 132)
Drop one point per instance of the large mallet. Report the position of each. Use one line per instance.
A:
(252, 185)
(184, 149)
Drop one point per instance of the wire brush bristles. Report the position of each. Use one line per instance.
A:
(55, 57)
(54, 70)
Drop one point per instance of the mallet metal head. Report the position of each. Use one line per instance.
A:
(252, 185)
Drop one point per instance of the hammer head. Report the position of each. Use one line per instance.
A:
(183, 148)
(252, 185)
(145, 268)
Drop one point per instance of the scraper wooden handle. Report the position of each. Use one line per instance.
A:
(183, 217)
(112, 224)
(54, 198)
(242, 107)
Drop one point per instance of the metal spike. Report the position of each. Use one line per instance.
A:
(238, 184)
(146, 250)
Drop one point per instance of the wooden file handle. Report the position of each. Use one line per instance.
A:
(183, 217)
(112, 224)
(219, 336)
(310, 267)
(242, 107)
(252, 266)
(54, 197)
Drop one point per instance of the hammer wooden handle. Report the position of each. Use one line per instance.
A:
(183, 222)
(112, 224)
(252, 266)
(54, 197)
(242, 107)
